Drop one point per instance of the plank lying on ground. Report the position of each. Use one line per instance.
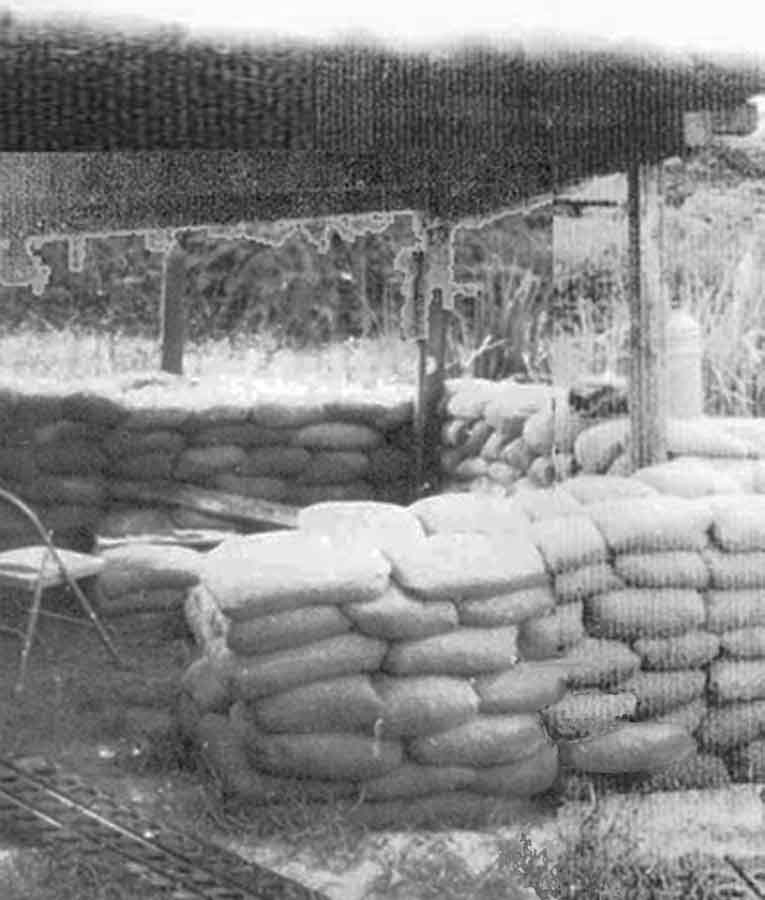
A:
(215, 503)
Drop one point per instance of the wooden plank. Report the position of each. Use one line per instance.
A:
(647, 318)
(172, 310)
(213, 503)
(420, 331)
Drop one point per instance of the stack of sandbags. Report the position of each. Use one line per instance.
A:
(331, 667)
(735, 617)
(496, 434)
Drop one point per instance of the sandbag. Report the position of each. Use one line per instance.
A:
(289, 413)
(551, 635)
(705, 437)
(688, 716)
(381, 525)
(275, 462)
(587, 713)
(530, 776)
(389, 465)
(346, 654)
(465, 652)
(308, 494)
(199, 521)
(484, 741)
(597, 447)
(635, 747)
(702, 771)
(287, 630)
(589, 489)
(679, 569)
(652, 524)
(124, 521)
(137, 567)
(732, 725)
(75, 491)
(202, 463)
(511, 608)
(207, 686)
(242, 434)
(71, 458)
(412, 780)
(595, 662)
(736, 571)
(727, 610)
(331, 757)
(272, 489)
(551, 503)
(732, 681)
(338, 436)
(748, 762)
(684, 651)
(144, 467)
(526, 688)
(161, 600)
(348, 704)
(419, 706)
(155, 418)
(636, 613)
(503, 474)
(470, 566)
(95, 409)
(568, 542)
(539, 432)
(394, 616)
(335, 467)
(448, 513)
(279, 571)
(744, 643)
(66, 431)
(471, 468)
(125, 443)
(578, 584)
(204, 617)
(16, 467)
(739, 523)
(688, 478)
(541, 472)
(517, 454)
(658, 693)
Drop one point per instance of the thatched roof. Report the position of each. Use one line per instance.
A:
(314, 130)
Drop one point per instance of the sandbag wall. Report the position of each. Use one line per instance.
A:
(79, 457)
(496, 436)
(361, 657)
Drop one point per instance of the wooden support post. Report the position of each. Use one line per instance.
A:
(420, 329)
(647, 318)
(172, 309)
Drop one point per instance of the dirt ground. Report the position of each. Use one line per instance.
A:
(102, 722)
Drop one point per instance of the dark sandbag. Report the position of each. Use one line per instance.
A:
(578, 584)
(381, 525)
(348, 704)
(338, 436)
(279, 571)
(275, 462)
(471, 566)
(415, 707)
(732, 725)
(35, 409)
(748, 762)
(595, 662)
(727, 610)
(394, 616)
(66, 431)
(73, 458)
(568, 542)
(412, 780)
(652, 524)
(688, 716)
(93, 409)
(684, 651)
(346, 654)
(511, 608)
(526, 688)
(658, 693)
(588, 713)
(679, 568)
(331, 757)
(335, 467)
(744, 643)
(242, 434)
(551, 635)
(533, 775)
(448, 513)
(732, 681)
(381, 415)
(203, 681)
(48, 490)
(736, 571)
(636, 613)
(137, 567)
(638, 747)
(161, 600)
(135, 520)
(198, 521)
(284, 631)
(308, 494)
(156, 418)
(69, 517)
(124, 442)
(290, 413)
(465, 652)
(272, 489)
(157, 466)
(200, 464)
(18, 466)
(484, 741)
(389, 465)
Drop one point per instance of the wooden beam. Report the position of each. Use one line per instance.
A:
(172, 310)
(420, 330)
(647, 317)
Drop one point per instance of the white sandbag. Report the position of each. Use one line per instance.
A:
(380, 525)
(551, 503)
(465, 652)
(636, 747)
(660, 692)
(705, 437)
(597, 447)
(583, 714)
(739, 523)
(595, 662)
(284, 631)
(526, 688)
(137, 567)
(736, 571)
(732, 725)
(676, 568)
(445, 566)
(395, 616)
(743, 643)
(279, 571)
(204, 617)
(445, 513)
(688, 478)
(652, 524)
(511, 608)
(636, 613)
(484, 741)
(727, 610)
(551, 635)
(589, 489)
(688, 716)
(739, 680)
(578, 584)
(683, 651)
(568, 543)
(530, 776)
(415, 707)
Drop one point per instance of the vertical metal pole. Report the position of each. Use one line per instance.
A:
(172, 310)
